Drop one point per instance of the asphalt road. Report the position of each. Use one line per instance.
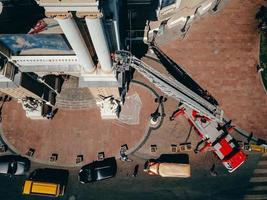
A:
(200, 186)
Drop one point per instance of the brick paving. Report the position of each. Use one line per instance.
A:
(173, 133)
(217, 55)
(221, 54)
(170, 132)
(74, 132)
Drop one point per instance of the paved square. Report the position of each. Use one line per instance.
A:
(221, 53)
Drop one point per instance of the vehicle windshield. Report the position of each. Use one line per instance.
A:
(20, 168)
(12, 168)
(4, 167)
(228, 165)
(86, 175)
(103, 172)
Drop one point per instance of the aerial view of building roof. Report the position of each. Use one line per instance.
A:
(133, 99)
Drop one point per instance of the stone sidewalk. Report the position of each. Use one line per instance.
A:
(219, 52)
(75, 132)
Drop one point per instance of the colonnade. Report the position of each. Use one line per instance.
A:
(99, 40)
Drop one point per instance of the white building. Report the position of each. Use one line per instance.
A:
(79, 37)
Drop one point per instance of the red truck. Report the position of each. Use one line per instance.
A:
(216, 137)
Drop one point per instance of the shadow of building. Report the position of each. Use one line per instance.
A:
(139, 13)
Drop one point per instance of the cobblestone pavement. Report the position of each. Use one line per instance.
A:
(221, 54)
(74, 132)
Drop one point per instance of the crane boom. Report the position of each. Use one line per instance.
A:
(169, 86)
(207, 118)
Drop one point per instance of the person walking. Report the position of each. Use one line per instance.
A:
(123, 156)
(135, 172)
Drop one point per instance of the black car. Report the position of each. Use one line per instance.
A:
(98, 170)
(14, 165)
(52, 175)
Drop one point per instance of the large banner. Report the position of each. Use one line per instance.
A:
(19, 42)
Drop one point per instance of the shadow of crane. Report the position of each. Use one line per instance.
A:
(180, 75)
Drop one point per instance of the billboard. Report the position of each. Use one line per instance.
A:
(20, 42)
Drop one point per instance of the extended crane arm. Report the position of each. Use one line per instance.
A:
(207, 118)
(171, 87)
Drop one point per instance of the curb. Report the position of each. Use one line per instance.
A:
(146, 135)
(149, 129)
(11, 148)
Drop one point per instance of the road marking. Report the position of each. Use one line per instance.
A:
(260, 171)
(258, 179)
(259, 188)
(262, 162)
(255, 197)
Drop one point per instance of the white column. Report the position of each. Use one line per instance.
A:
(116, 24)
(1, 7)
(74, 36)
(100, 43)
(117, 34)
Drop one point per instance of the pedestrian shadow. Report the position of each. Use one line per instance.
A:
(180, 75)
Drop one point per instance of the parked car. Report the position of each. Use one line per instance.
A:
(169, 165)
(98, 170)
(14, 165)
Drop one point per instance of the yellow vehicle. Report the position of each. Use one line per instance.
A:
(42, 188)
(257, 148)
(46, 182)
